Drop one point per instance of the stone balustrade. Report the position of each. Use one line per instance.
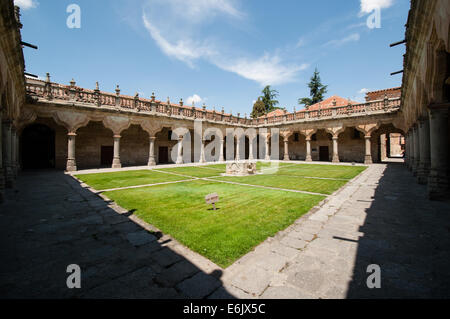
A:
(49, 91)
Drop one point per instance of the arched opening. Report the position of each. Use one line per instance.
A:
(38, 147)
(388, 143)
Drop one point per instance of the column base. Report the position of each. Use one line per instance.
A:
(415, 168)
(71, 165)
(336, 159)
(422, 174)
(151, 162)
(308, 159)
(9, 177)
(116, 163)
(438, 185)
(267, 158)
(368, 159)
(286, 158)
(2, 186)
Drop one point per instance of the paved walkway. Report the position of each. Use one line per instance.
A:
(382, 217)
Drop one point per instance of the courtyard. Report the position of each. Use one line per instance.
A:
(250, 209)
(322, 253)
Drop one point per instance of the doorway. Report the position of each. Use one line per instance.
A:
(163, 155)
(38, 147)
(324, 155)
(107, 154)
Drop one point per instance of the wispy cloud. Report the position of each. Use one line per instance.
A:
(26, 4)
(184, 50)
(367, 6)
(194, 99)
(186, 43)
(354, 37)
(268, 69)
(363, 91)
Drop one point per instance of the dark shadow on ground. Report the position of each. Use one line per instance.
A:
(408, 236)
(49, 222)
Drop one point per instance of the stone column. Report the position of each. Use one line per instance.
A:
(202, 152)
(238, 155)
(13, 152)
(424, 165)
(250, 150)
(180, 150)
(416, 150)
(18, 166)
(267, 157)
(116, 159)
(308, 149)
(335, 149)
(151, 153)
(71, 160)
(407, 149)
(2, 172)
(368, 156)
(7, 155)
(221, 155)
(286, 148)
(438, 180)
(411, 149)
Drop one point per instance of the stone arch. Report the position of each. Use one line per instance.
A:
(43, 144)
(380, 147)
(134, 146)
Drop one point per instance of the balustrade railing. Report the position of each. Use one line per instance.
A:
(53, 91)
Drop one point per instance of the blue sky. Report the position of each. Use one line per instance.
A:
(222, 52)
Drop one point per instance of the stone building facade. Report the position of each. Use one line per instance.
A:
(426, 94)
(51, 125)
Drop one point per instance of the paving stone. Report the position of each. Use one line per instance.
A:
(176, 273)
(229, 292)
(253, 280)
(140, 238)
(166, 257)
(285, 293)
(293, 242)
(284, 250)
(301, 235)
(271, 261)
(199, 286)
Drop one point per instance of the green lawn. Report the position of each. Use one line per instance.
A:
(102, 181)
(245, 217)
(197, 171)
(322, 186)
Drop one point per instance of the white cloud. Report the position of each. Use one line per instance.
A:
(367, 6)
(184, 50)
(26, 4)
(184, 40)
(363, 91)
(351, 38)
(267, 70)
(198, 8)
(195, 99)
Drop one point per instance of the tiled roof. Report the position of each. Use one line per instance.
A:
(333, 101)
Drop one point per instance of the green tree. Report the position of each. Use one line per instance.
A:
(259, 109)
(268, 98)
(317, 91)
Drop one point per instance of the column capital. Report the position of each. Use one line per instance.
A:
(117, 136)
(72, 134)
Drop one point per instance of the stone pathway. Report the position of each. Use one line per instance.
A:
(381, 217)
